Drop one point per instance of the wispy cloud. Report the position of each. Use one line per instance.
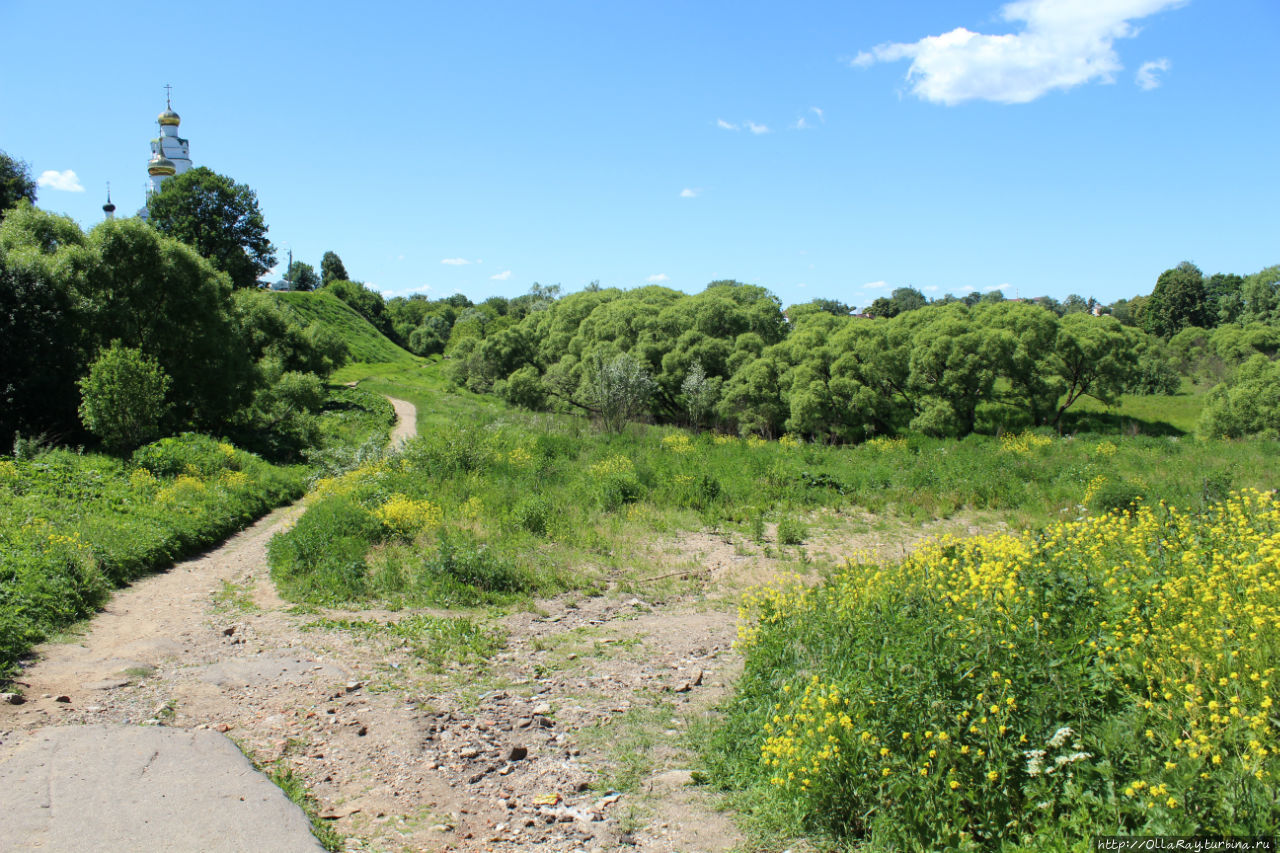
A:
(725, 125)
(933, 288)
(422, 288)
(66, 181)
(994, 287)
(803, 123)
(757, 128)
(875, 285)
(690, 192)
(658, 279)
(1062, 44)
(502, 276)
(1148, 76)
(455, 262)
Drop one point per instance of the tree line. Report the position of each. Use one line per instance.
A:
(730, 357)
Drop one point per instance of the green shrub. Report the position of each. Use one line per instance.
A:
(477, 565)
(532, 514)
(123, 397)
(1249, 405)
(1109, 676)
(1116, 496)
(791, 532)
(188, 453)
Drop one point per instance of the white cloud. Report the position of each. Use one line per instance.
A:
(968, 288)
(502, 276)
(875, 285)
(933, 288)
(1148, 76)
(422, 288)
(801, 124)
(658, 279)
(819, 113)
(66, 181)
(994, 287)
(757, 128)
(802, 284)
(725, 125)
(1063, 44)
(399, 257)
(689, 192)
(455, 262)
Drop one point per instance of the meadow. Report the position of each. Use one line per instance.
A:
(1109, 667)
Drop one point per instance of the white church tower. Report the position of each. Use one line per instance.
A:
(170, 153)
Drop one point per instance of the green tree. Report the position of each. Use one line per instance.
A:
(332, 269)
(619, 390)
(1261, 292)
(1249, 405)
(157, 294)
(754, 398)
(15, 183)
(1093, 356)
(302, 276)
(123, 398)
(953, 367)
(902, 299)
(1177, 301)
(217, 217)
(41, 340)
(1224, 294)
(701, 392)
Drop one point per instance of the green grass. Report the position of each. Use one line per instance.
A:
(516, 497)
(436, 641)
(367, 345)
(1158, 414)
(73, 526)
(295, 788)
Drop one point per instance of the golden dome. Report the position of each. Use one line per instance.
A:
(161, 165)
(168, 118)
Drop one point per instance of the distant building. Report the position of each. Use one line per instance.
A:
(170, 153)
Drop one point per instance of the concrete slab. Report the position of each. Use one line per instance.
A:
(121, 789)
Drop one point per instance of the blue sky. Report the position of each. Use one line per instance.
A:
(833, 150)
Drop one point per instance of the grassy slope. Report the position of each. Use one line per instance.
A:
(368, 345)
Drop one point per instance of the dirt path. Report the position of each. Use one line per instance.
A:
(572, 737)
(406, 421)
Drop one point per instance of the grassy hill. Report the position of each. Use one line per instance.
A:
(368, 345)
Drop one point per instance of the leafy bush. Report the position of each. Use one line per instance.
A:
(1249, 405)
(122, 397)
(1116, 496)
(1108, 676)
(791, 532)
(188, 453)
(532, 514)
